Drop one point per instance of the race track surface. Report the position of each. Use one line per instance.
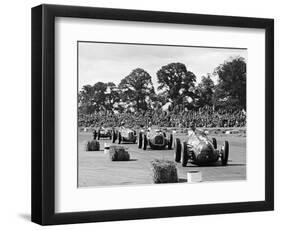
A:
(96, 169)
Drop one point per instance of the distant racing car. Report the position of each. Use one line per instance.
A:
(124, 134)
(198, 149)
(155, 138)
(102, 133)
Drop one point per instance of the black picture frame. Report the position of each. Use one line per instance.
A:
(43, 114)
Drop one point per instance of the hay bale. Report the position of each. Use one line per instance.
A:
(118, 153)
(93, 145)
(164, 171)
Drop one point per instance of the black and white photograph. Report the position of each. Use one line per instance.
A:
(153, 114)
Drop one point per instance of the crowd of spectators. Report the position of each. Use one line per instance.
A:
(204, 117)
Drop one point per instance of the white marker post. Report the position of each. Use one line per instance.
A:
(194, 176)
(106, 148)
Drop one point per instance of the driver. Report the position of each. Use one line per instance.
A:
(194, 130)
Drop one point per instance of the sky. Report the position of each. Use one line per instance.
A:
(109, 62)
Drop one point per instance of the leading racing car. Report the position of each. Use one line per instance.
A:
(198, 149)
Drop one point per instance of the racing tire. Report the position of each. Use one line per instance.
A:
(145, 142)
(177, 150)
(119, 138)
(215, 143)
(140, 141)
(184, 159)
(170, 141)
(114, 136)
(98, 135)
(95, 134)
(225, 153)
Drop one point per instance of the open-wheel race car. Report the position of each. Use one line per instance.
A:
(155, 138)
(102, 133)
(198, 149)
(124, 134)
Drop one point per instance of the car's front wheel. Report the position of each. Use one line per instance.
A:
(140, 141)
(215, 143)
(225, 153)
(177, 150)
(184, 159)
(119, 138)
(145, 142)
(170, 141)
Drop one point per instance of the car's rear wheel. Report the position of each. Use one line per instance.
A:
(140, 141)
(119, 138)
(95, 134)
(215, 143)
(225, 153)
(177, 150)
(184, 159)
(145, 142)
(170, 141)
(114, 136)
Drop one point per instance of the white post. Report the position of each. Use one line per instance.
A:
(194, 176)
(106, 148)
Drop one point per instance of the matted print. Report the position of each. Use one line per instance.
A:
(150, 114)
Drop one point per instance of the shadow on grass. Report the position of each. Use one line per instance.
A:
(212, 165)
(126, 160)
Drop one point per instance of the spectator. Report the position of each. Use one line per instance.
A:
(204, 117)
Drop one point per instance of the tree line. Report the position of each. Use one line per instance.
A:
(177, 86)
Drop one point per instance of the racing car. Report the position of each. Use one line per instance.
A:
(102, 133)
(124, 134)
(155, 138)
(198, 149)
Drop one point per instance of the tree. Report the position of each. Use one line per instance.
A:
(231, 88)
(176, 82)
(100, 96)
(205, 91)
(85, 102)
(111, 96)
(136, 89)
